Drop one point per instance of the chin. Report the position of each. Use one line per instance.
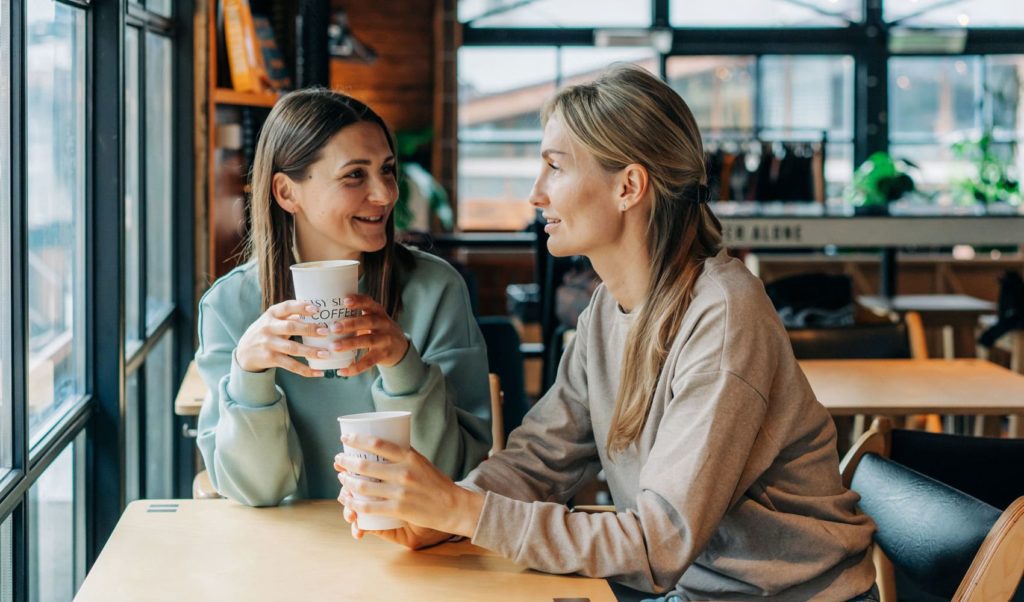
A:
(561, 250)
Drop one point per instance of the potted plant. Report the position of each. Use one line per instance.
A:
(877, 182)
(992, 181)
(419, 194)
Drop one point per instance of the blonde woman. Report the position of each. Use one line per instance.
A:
(680, 383)
(323, 187)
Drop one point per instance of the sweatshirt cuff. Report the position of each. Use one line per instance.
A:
(406, 376)
(502, 525)
(252, 388)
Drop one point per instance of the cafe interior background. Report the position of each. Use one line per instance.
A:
(873, 144)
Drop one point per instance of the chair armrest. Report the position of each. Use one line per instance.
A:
(998, 566)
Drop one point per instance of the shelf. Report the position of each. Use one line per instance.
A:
(227, 96)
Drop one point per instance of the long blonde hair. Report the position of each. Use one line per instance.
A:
(292, 138)
(629, 116)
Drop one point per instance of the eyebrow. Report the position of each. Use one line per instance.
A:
(549, 151)
(388, 159)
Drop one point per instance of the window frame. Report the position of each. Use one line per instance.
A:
(93, 426)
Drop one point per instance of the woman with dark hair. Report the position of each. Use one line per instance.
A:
(323, 188)
(680, 383)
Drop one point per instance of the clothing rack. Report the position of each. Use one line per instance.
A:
(742, 166)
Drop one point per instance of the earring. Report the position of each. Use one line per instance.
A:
(622, 208)
(295, 243)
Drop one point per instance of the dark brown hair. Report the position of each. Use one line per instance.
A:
(293, 136)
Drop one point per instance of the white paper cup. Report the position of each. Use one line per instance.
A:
(325, 284)
(390, 426)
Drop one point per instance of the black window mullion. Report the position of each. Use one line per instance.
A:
(660, 13)
(139, 422)
(18, 372)
(183, 242)
(105, 435)
(19, 551)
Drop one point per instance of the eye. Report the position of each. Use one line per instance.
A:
(388, 169)
(553, 166)
(355, 174)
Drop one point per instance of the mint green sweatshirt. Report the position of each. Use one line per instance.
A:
(269, 435)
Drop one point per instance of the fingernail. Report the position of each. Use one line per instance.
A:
(349, 301)
(311, 308)
(341, 478)
(323, 354)
(346, 438)
(318, 373)
(322, 331)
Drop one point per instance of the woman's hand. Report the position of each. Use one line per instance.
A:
(410, 488)
(267, 342)
(410, 536)
(374, 331)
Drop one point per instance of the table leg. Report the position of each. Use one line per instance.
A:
(948, 342)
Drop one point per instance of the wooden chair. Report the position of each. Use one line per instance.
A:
(941, 540)
(203, 489)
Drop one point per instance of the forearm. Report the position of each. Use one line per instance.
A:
(454, 440)
(251, 451)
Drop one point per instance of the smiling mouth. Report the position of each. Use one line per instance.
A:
(370, 219)
(552, 220)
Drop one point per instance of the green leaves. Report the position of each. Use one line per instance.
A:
(880, 180)
(992, 181)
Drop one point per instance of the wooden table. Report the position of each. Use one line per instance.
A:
(220, 550)
(191, 393)
(904, 387)
(956, 315)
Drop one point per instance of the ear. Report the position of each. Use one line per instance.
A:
(286, 192)
(632, 184)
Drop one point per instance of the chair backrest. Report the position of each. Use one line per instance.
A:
(506, 361)
(930, 531)
(861, 341)
(988, 468)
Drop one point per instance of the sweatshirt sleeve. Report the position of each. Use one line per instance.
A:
(246, 438)
(443, 384)
(689, 481)
(553, 453)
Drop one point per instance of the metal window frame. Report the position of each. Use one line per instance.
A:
(94, 424)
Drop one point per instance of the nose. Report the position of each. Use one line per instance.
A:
(382, 191)
(538, 198)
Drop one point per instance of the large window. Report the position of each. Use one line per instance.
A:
(134, 156)
(159, 255)
(759, 13)
(52, 531)
(962, 13)
(940, 104)
(55, 146)
(499, 123)
(555, 13)
(800, 104)
(87, 264)
(6, 407)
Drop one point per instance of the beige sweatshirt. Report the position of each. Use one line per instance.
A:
(732, 490)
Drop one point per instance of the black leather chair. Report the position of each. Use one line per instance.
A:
(939, 542)
(861, 341)
(506, 360)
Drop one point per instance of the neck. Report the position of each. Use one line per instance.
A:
(625, 270)
(313, 247)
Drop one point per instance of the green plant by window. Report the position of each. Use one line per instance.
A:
(992, 181)
(417, 188)
(878, 181)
